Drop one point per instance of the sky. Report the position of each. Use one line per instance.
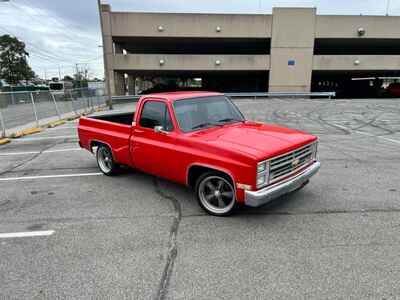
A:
(60, 34)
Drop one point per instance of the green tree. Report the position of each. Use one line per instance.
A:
(13, 64)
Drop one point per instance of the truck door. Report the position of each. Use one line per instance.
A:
(151, 147)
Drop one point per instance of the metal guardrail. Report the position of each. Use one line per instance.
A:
(128, 97)
(249, 95)
(283, 94)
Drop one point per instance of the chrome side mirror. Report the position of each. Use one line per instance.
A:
(160, 129)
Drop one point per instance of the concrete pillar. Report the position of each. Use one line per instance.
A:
(292, 47)
(119, 84)
(108, 46)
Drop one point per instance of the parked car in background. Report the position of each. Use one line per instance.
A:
(202, 140)
(393, 90)
(61, 87)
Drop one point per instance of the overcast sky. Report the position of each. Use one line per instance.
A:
(60, 34)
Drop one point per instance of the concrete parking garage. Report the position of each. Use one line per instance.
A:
(136, 236)
(290, 50)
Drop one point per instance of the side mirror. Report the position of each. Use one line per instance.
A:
(160, 129)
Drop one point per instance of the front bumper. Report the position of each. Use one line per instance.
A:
(265, 195)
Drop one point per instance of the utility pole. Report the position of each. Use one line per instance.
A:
(78, 75)
(59, 74)
(387, 7)
(105, 60)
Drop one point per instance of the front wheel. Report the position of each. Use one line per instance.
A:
(215, 194)
(105, 160)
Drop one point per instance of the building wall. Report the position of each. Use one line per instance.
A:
(190, 62)
(347, 26)
(190, 25)
(356, 62)
(290, 35)
(292, 48)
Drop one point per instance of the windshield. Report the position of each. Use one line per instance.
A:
(197, 113)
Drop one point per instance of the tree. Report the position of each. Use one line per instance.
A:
(13, 60)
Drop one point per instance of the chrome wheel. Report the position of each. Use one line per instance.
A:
(105, 159)
(216, 194)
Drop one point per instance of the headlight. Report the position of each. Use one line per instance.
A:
(261, 166)
(262, 173)
(261, 178)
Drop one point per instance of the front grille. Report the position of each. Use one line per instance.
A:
(287, 163)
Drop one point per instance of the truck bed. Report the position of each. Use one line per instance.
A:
(110, 129)
(122, 118)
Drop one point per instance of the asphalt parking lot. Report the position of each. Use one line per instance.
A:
(136, 236)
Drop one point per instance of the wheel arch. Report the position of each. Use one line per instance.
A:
(96, 143)
(195, 170)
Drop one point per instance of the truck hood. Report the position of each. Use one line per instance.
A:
(259, 140)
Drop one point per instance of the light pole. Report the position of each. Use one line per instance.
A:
(105, 60)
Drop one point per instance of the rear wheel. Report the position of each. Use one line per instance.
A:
(216, 194)
(105, 160)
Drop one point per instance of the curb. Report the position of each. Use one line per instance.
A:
(55, 124)
(4, 141)
(25, 132)
(73, 118)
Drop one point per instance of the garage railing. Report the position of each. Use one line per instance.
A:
(249, 95)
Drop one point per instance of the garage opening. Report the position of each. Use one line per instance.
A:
(358, 84)
(146, 82)
(177, 45)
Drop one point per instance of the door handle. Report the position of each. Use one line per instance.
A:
(137, 131)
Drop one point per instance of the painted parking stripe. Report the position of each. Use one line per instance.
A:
(37, 152)
(368, 134)
(49, 176)
(26, 234)
(45, 138)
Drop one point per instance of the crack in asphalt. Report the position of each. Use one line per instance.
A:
(12, 168)
(305, 213)
(172, 244)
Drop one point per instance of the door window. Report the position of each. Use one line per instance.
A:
(155, 113)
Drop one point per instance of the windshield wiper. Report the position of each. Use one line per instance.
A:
(202, 125)
(230, 120)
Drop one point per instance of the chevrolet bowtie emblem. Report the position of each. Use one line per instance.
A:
(295, 162)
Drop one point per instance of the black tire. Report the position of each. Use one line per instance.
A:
(216, 194)
(105, 160)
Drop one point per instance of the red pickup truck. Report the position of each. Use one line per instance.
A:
(202, 140)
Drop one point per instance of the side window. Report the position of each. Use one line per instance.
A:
(154, 114)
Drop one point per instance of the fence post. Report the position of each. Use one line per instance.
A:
(55, 104)
(3, 125)
(72, 102)
(34, 109)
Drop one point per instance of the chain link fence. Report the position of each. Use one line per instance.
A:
(18, 109)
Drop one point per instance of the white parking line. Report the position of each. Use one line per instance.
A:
(368, 134)
(36, 152)
(26, 234)
(49, 176)
(45, 138)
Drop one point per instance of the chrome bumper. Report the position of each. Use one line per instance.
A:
(265, 195)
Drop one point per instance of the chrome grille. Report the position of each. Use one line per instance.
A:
(287, 163)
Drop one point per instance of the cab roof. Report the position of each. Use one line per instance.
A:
(173, 96)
